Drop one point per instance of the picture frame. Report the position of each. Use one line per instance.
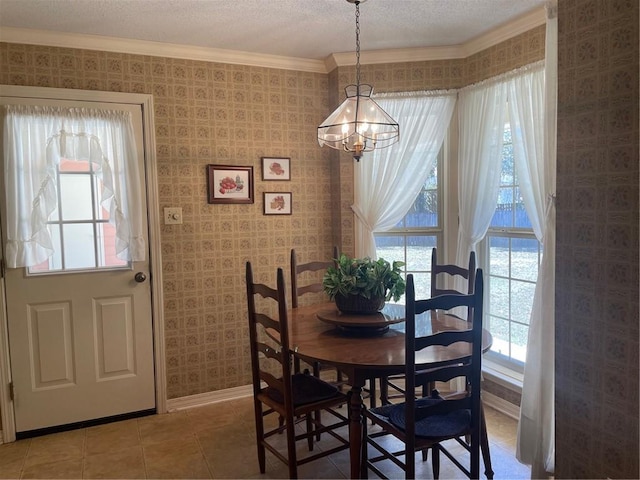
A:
(278, 203)
(276, 168)
(229, 184)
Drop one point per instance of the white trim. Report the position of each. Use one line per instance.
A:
(533, 19)
(155, 258)
(502, 375)
(6, 404)
(201, 399)
(520, 25)
(156, 49)
(501, 405)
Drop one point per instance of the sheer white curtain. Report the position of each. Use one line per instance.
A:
(388, 181)
(35, 140)
(482, 112)
(535, 148)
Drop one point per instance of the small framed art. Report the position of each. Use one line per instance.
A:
(229, 184)
(277, 203)
(276, 168)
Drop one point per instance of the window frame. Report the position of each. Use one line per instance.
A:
(437, 231)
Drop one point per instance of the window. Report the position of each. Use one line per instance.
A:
(82, 235)
(412, 239)
(512, 259)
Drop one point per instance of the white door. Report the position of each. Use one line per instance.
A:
(80, 325)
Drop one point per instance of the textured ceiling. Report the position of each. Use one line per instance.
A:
(310, 29)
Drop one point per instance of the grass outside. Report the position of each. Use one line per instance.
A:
(509, 289)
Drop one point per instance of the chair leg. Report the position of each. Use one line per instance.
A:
(291, 449)
(384, 390)
(317, 415)
(484, 445)
(260, 435)
(435, 461)
(364, 450)
(311, 426)
(372, 392)
(475, 458)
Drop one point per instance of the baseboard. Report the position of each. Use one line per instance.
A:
(200, 399)
(500, 404)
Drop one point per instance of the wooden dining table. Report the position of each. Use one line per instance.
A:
(365, 347)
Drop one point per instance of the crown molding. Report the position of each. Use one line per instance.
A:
(504, 32)
(141, 47)
(520, 25)
(157, 49)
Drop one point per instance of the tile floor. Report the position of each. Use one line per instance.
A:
(213, 441)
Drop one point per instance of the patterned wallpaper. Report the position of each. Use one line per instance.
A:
(597, 285)
(229, 114)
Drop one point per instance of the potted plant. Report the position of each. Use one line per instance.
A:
(363, 285)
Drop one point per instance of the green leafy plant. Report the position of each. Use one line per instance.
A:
(364, 277)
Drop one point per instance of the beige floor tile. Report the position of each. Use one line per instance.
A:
(164, 427)
(11, 469)
(56, 447)
(179, 458)
(63, 469)
(221, 414)
(112, 437)
(12, 458)
(127, 463)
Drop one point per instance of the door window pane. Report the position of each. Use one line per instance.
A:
(75, 197)
(77, 237)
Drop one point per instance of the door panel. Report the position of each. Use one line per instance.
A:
(81, 342)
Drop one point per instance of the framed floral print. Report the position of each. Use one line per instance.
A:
(276, 168)
(229, 184)
(277, 203)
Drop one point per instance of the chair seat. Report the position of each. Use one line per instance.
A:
(448, 425)
(306, 389)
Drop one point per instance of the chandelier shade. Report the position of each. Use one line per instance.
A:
(359, 124)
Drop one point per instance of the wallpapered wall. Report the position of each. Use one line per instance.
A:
(229, 114)
(597, 409)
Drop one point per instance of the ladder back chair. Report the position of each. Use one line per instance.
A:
(437, 271)
(278, 391)
(297, 270)
(427, 422)
(452, 271)
(298, 290)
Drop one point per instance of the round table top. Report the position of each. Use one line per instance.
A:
(319, 340)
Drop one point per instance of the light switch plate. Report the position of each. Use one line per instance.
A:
(173, 216)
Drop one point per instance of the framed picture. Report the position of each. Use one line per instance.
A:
(229, 184)
(276, 168)
(277, 203)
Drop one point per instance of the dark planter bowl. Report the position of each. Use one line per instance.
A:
(355, 304)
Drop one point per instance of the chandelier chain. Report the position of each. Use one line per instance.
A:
(358, 45)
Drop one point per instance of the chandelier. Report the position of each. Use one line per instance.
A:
(359, 124)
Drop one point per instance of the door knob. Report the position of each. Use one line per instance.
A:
(140, 277)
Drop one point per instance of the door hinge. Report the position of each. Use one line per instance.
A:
(11, 392)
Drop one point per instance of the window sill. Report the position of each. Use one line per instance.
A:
(502, 375)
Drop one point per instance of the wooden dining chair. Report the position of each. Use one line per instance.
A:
(297, 290)
(278, 391)
(452, 271)
(305, 271)
(444, 275)
(427, 422)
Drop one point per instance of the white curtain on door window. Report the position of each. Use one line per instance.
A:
(535, 150)
(35, 140)
(481, 117)
(388, 180)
